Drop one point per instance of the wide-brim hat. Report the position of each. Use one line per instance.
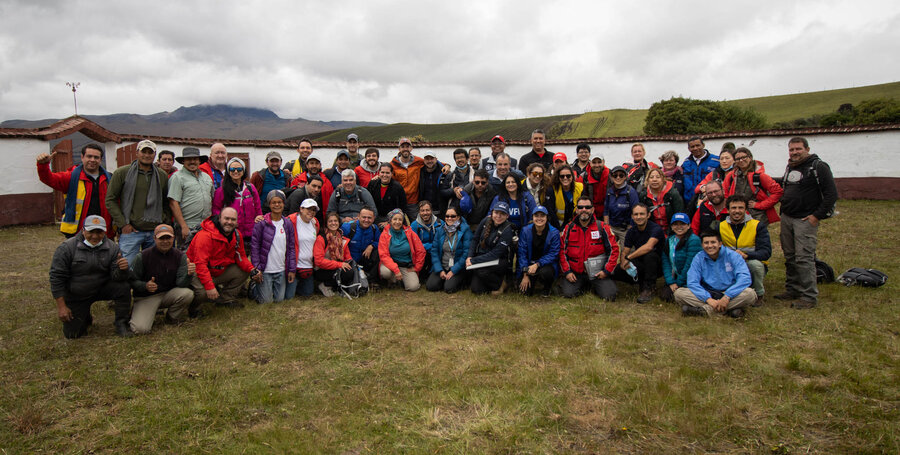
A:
(191, 152)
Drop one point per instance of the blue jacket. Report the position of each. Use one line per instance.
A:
(425, 234)
(618, 205)
(676, 262)
(728, 274)
(459, 255)
(551, 249)
(694, 173)
(526, 208)
(361, 239)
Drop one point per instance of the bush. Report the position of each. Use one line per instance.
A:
(689, 116)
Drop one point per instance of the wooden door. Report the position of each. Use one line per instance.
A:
(61, 162)
(125, 155)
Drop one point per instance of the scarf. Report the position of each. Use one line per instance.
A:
(670, 174)
(451, 228)
(335, 244)
(153, 210)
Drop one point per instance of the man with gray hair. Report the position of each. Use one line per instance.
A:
(538, 153)
(349, 198)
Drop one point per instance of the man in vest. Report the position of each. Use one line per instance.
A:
(160, 278)
(717, 282)
(85, 188)
(215, 167)
(136, 200)
(272, 177)
(750, 239)
(587, 240)
(809, 197)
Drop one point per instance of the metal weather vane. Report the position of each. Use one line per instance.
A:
(74, 86)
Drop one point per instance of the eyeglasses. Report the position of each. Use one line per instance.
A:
(480, 182)
(565, 176)
(743, 158)
(618, 176)
(236, 169)
(585, 207)
(537, 174)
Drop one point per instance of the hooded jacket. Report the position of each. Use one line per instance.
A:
(464, 240)
(408, 177)
(261, 243)
(212, 252)
(416, 249)
(78, 271)
(247, 205)
(551, 249)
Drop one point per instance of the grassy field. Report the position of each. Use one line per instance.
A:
(430, 373)
(617, 122)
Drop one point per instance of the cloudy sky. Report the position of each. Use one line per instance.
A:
(431, 61)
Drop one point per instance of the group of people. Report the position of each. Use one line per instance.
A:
(205, 234)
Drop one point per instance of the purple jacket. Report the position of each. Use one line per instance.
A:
(261, 243)
(247, 206)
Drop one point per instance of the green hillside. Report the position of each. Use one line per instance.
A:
(615, 122)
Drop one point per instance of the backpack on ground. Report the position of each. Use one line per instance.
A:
(824, 272)
(358, 285)
(869, 278)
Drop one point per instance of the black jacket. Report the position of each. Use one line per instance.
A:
(808, 189)
(77, 271)
(498, 245)
(394, 198)
(532, 157)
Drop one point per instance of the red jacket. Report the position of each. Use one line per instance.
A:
(207, 169)
(60, 181)
(416, 249)
(363, 176)
(319, 259)
(767, 194)
(597, 188)
(705, 215)
(578, 244)
(300, 181)
(408, 177)
(212, 252)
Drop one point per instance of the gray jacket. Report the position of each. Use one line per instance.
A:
(349, 204)
(78, 271)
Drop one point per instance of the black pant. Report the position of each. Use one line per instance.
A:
(488, 279)
(327, 276)
(118, 291)
(604, 288)
(649, 268)
(370, 265)
(545, 276)
(435, 283)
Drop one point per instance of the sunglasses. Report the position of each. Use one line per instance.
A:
(565, 176)
(482, 182)
(236, 169)
(618, 176)
(537, 174)
(585, 207)
(450, 216)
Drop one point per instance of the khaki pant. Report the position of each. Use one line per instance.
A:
(228, 283)
(758, 273)
(408, 275)
(684, 296)
(144, 311)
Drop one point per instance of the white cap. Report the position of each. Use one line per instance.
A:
(307, 203)
(597, 155)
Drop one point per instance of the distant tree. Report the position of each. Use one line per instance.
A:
(689, 116)
(879, 110)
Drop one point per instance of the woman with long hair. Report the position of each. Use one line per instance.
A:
(750, 181)
(492, 241)
(331, 253)
(401, 252)
(520, 202)
(237, 193)
(661, 197)
(537, 183)
(448, 253)
(566, 191)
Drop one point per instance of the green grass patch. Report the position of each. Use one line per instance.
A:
(396, 372)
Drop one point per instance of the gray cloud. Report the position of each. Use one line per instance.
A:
(417, 61)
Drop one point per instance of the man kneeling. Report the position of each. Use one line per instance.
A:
(718, 281)
(160, 277)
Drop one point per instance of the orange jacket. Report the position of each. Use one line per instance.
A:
(212, 253)
(416, 249)
(408, 177)
(319, 259)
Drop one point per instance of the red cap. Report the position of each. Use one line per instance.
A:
(560, 156)
(498, 137)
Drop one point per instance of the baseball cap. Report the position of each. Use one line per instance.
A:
(313, 156)
(307, 203)
(617, 169)
(429, 153)
(597, 156)
(498, 138)
(560, 156)
(273, 154)
(404, 140)
(540, 209)
(163, 230)
(340, 153)
(501, 207)
(353, 137)
(146, 144)
(94, 223)
(680, 217)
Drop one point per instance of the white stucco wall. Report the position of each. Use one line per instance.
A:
(20, 171)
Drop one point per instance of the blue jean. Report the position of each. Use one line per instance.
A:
(272, 287)
(132, 244)
(301, 287)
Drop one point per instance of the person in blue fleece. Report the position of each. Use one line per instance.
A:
(717, 282)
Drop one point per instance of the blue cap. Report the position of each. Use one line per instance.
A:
(501, 206)
(540, 209)
(680, 216)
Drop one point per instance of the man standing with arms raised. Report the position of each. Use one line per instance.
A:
(809, 197)
(538, 153)
(85, 188)
(215, 167)
(136, 200)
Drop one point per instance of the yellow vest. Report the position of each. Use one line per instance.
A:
(72, 228)
(747, 239)
(561, 204)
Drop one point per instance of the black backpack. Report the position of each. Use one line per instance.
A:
(824, 272)
(869, 278)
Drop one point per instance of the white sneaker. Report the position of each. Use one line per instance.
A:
(326, 291)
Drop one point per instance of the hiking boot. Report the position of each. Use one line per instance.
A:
(759, 301)
(122, 329)
(786, 296)
(645, 296)
(802, 304)
(736, 313)
(169, 321)
(688, 310)
(326, 291)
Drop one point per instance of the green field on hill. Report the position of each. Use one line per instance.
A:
(615, 122)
